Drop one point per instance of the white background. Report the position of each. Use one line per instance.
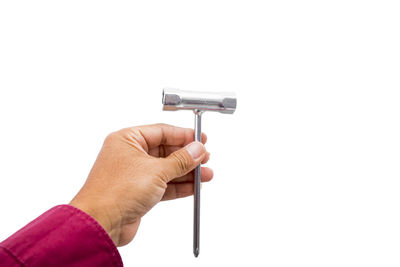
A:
(306, 171)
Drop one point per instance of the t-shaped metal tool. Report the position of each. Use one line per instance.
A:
(175, 99)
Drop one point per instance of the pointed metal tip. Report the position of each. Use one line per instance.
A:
(196, 252)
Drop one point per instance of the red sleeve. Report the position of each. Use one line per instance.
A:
(62, 236)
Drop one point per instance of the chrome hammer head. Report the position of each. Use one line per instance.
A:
(175, 99)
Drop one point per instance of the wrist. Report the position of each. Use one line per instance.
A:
(109, 223)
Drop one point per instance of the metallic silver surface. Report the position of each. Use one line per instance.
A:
(175, 99)
(197, 182)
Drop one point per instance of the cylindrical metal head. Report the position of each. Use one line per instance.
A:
(175, 99)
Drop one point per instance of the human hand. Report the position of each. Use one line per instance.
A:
(136, 168)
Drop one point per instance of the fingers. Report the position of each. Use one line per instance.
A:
(164, 134)
(174, 191)
(206, 176)
(165, 150)
(206, 158)
(185, 189)
(182, 161)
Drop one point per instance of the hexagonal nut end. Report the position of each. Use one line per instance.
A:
(229, 103)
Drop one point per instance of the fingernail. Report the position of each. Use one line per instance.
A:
(195, 149)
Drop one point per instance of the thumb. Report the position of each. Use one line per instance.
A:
(183, 160)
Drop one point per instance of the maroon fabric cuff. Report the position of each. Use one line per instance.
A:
(62, 236)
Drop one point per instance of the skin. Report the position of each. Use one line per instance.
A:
(136, 168)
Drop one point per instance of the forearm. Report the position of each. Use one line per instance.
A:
(62, 236)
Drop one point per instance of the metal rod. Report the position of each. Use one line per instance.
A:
(197, 182)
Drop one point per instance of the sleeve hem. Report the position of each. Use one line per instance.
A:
(14, 257)
(116, 257)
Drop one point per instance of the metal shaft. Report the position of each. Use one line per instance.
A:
(197, 181)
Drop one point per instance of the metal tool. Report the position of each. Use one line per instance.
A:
(224, 102)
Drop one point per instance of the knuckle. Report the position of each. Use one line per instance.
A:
(183, 162)
(110, 138)
(161, 179)
(161, 125)
(115, 137)
(121, 134)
